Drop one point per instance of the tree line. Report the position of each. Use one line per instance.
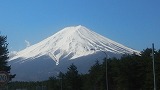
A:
(130, 72)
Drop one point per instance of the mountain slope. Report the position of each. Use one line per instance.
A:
(76, 41)
(70, 43)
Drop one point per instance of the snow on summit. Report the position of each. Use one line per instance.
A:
(75, 44)
(72, 42)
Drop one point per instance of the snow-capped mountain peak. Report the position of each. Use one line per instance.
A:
(75, 44)
(72, 42)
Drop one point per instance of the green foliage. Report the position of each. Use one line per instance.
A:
(95, 77)
(131, 72)
(4, 56)
(28, 85)
(73, 80)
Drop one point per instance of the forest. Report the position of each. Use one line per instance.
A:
(130, 72)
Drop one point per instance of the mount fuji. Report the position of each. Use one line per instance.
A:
(75, 44)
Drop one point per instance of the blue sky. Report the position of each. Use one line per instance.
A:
(133, 23)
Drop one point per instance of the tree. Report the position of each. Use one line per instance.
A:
(131, 73)
(96, 75)
(4, 56)
(113, 72)
(53, 83)
(95, 79)
(72, 78)
(146, 56)
(157, 64)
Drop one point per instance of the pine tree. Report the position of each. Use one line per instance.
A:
(73, 78)
(157, 64)
(53, 83)
(96, 78)
(4, 56)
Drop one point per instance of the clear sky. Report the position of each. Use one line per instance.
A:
(133, 23)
